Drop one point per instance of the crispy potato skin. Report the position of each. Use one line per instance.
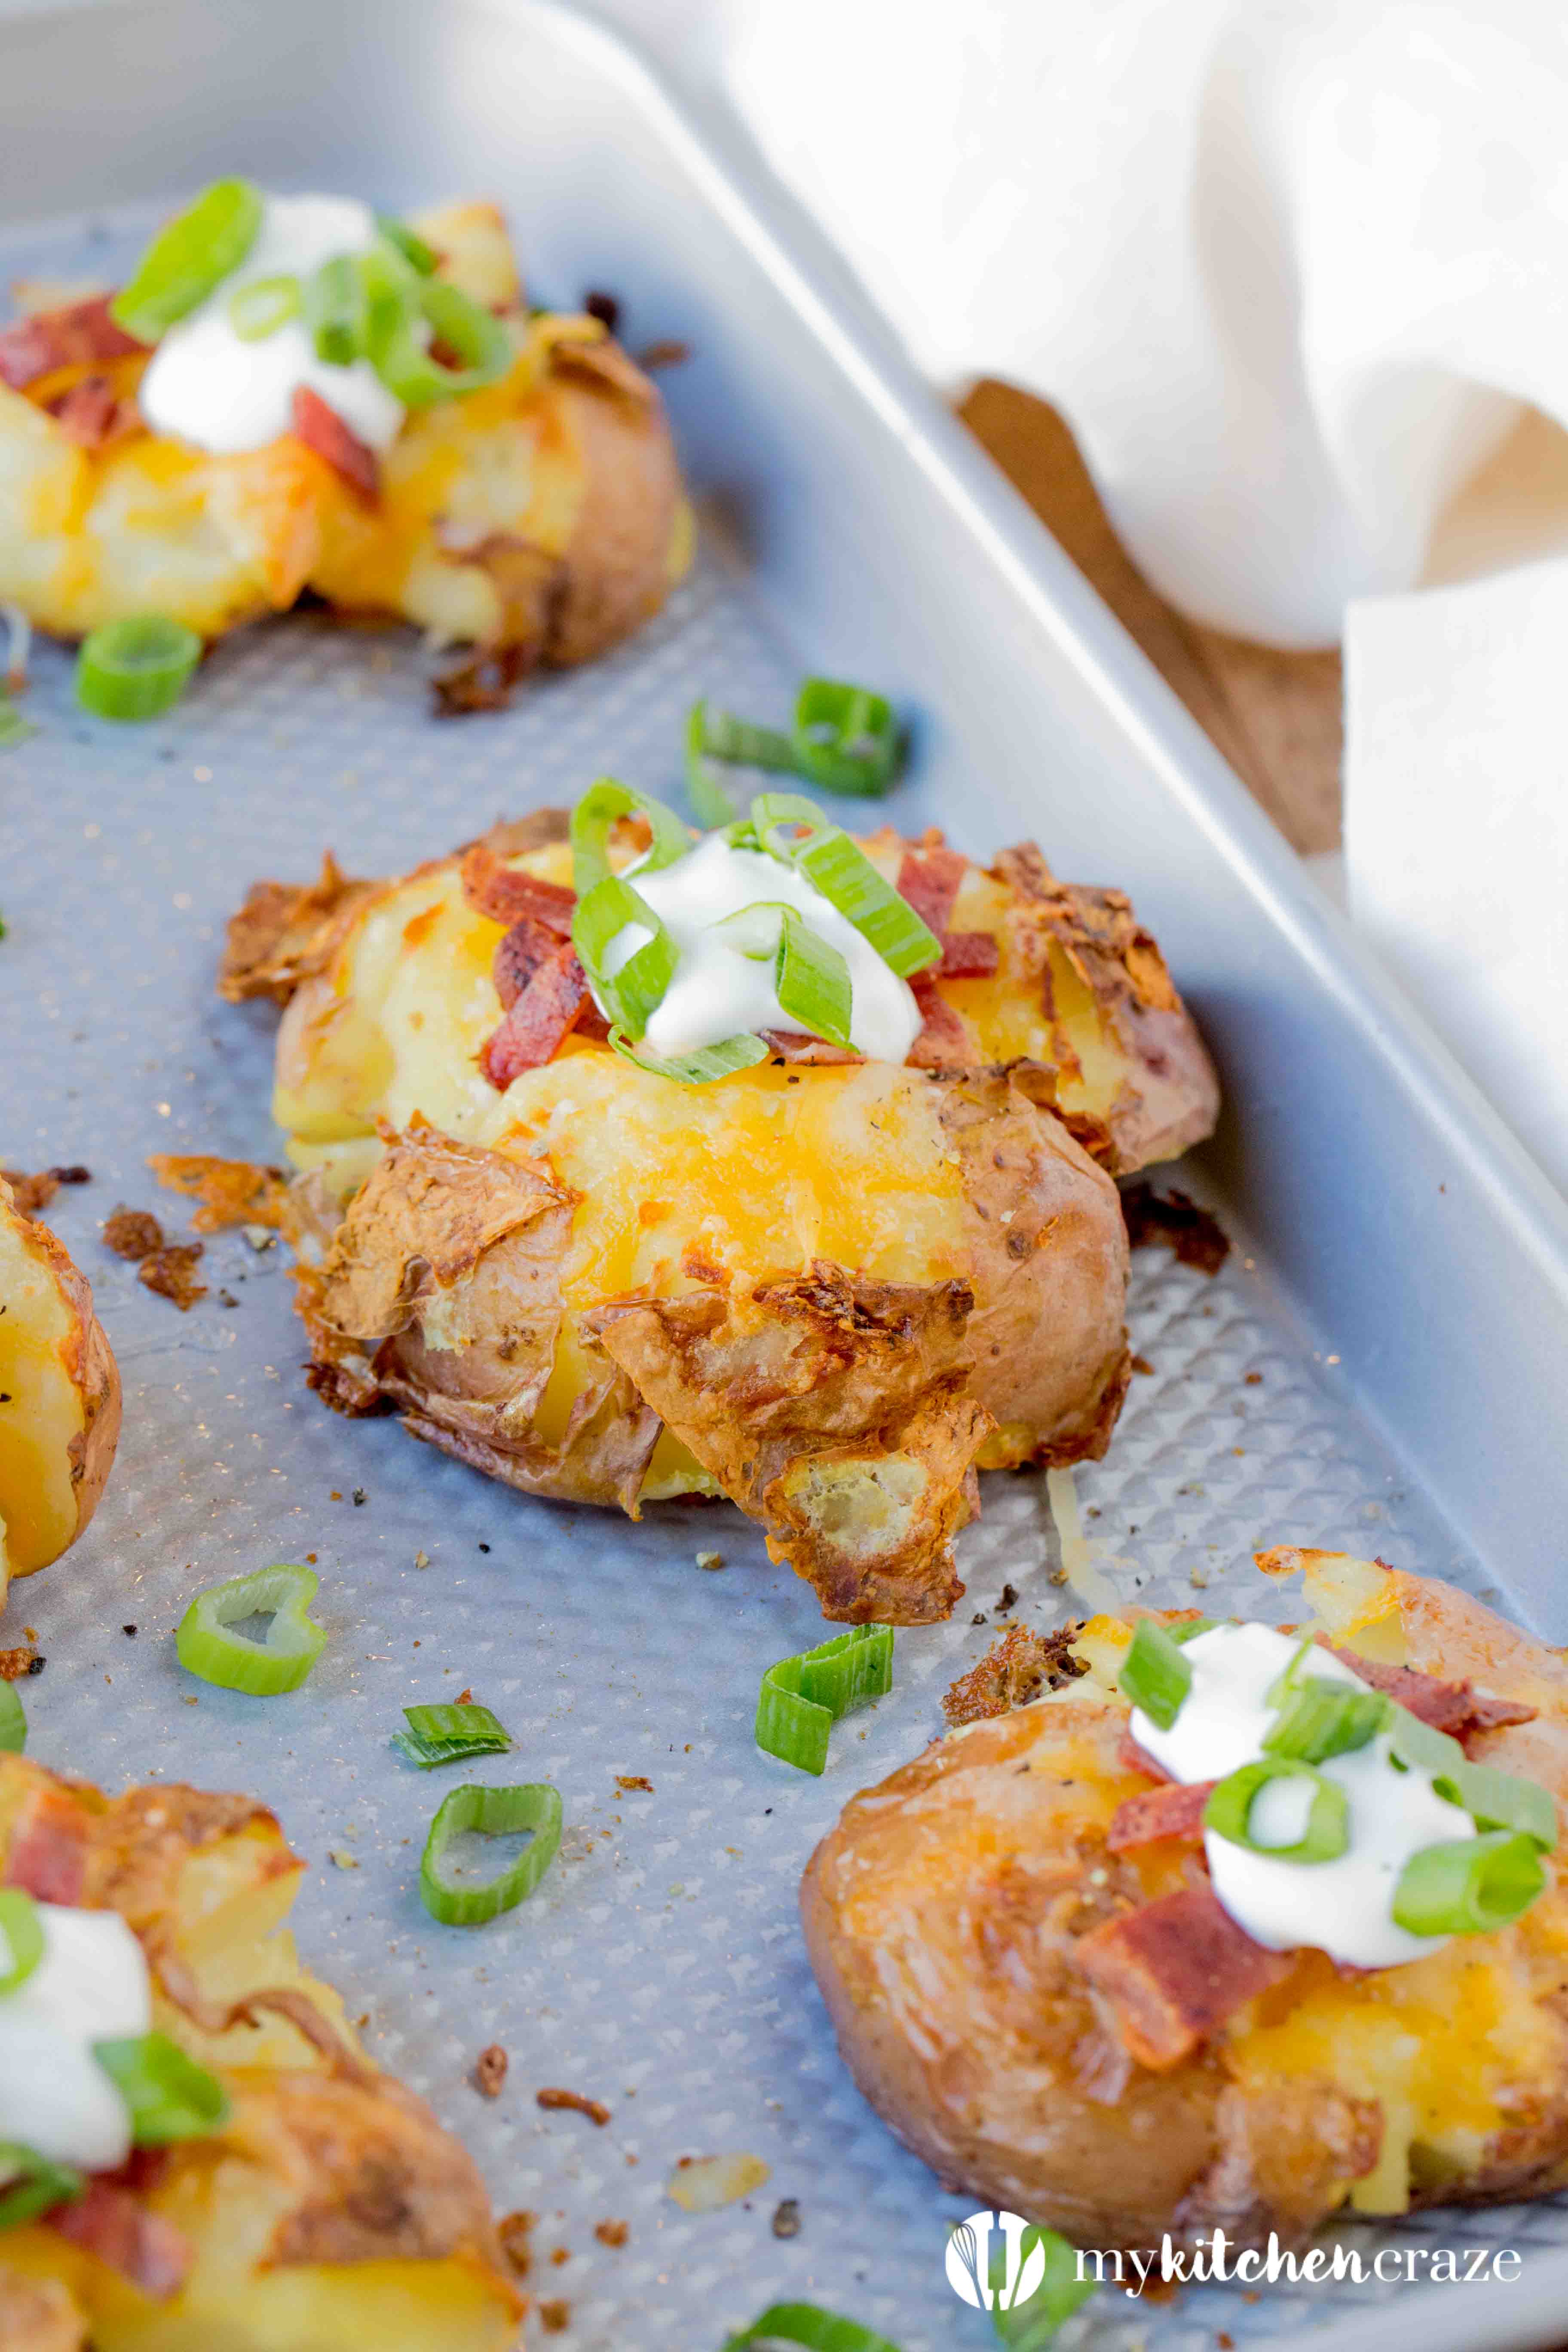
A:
(941, 1916)
(331, 2206)
(542, 517)
(60, 1430)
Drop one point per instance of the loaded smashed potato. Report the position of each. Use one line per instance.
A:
(292, 395)
(564, 1208)
(59, 1397)
(1185, 1926)
(197, 2151)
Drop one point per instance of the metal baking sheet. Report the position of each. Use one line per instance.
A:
(1398, 1278)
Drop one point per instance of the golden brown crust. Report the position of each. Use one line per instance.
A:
(1014, 1671)
(230, 1191)
(616, 567)
(833, 1409)
(285, 933)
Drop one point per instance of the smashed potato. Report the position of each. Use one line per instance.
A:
(59, 1398)
(540, 519)
(956, 1920)
(330, 2208)
(830, 1291)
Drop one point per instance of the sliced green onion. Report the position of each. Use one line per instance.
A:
(169, 2095)
(595, 819)
(1031, 2325)
(189, 256)
(1190, 1627)
(756, 931)
(811, 979)
(1501, 1800)
(136, 668)
(14, 727)
(846, 876)
(1469, 1887)
(402, 358)
(451, 1735)
(1154, 1674)
(337, 310)
(33, 2184)
(493, 1812)
(1228, 1811)
(21, 1939)
(803, 1697)
(1279, 1689)
(209, 1647)
(725, 736)
(1421, 1745)
(631, 994)
(414, 250)
(808, 2324)
(262, 305)
(846, 739)
(12, 1721)
(1320, 1718)
(711, 804)
(700, 1068)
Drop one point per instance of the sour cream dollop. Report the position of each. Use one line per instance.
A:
(206, 384)
(718, 993)
(90, 1985)
(1342, 1907)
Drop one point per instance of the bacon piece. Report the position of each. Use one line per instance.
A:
(969, 955)
(507, 897)
(47, 1856)
(518, 957)
(109, 2222)
(1174, 1810)
(1133, 1759)
(1452, 1707)
(537, 1020)
(791, 1046)
(943, 1041)
(320, 428)
(82, 334)
(1172, 1972)
(91, 413)
(929, 880)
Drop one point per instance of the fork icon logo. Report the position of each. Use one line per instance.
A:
(987, 2266)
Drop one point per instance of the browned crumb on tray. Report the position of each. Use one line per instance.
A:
(1195, 1236)
(15, 1663)
(32, 1194)
(1015, 1670)
(171, 1274)
(485, 680)
(595, 2109)
(286, 932)
(634, 1781)
(612, 2233)
(515, 2232)
(489, 2069)
(555, 2316)
(231, 1191)
(132, 1233)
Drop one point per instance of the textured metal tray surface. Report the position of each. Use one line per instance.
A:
(659, 1967)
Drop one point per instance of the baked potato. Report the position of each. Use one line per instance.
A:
(830, 1290)
(59, 1397)
(539, 517)
(329, 2207)
(964, 1919)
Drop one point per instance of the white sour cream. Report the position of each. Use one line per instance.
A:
(1343, 1907)
(718, 993)
(205, 384)
(91, 1985)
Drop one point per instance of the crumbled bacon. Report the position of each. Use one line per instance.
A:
(1174, 1810)
(517, 956)
(1133, 1759)
(500, 892)
(968, 955)
(537, 1022)
(929, 880)
(91, 413)
(108, 2222)
(82, 334)
(793, 1045)
(943, 1041)
(323, 429)
(1173, 1971)
(47, 1855)
(1197, 1238)
(1453, 1708)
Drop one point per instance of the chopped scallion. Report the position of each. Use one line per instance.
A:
(796, 831)
(189, 256)
(21, 1939)
(808, 2324)
(136, 668)
(492, 1812)
(847, 739)
(700, 1068)
(1154, 1674)
(31, 2184)
(414, 250)
(451, 1735)
(12, 1721)
(631, 992)
(595, 819)
(1320, 1718)
(1228, 1811)
(262, 305)
(337, 310)
(803, 1697)
(1500, 1800)
(1469, 1887)
(209, 1647)
(440, 315)
(169, 2095)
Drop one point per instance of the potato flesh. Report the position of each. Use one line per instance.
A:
(45, 1413)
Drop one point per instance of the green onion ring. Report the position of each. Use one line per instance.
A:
(1228, 1811)
(1470, 1888)
(262, 305)
(1284, 1684)
(35, 2184)
(1420, 1745)
(493, 1812)
(293, 1642)
(803, 1697)
(21, 1939)
(402, 358)
(419, 256)
(811, 979)
(595, 819)
(12, 1721)
(846, 739)
(337, 310)
(736, 741)
(808, 2324)
(1154, 1674)
(711, 804)
(847, 878)
(170, 2096)
(1322, 1717)
(741, 1052)
(1189, 1628)
(1501, 1800)
(632, 994)
(136, 668)
(190, 255)
(451, 1735)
